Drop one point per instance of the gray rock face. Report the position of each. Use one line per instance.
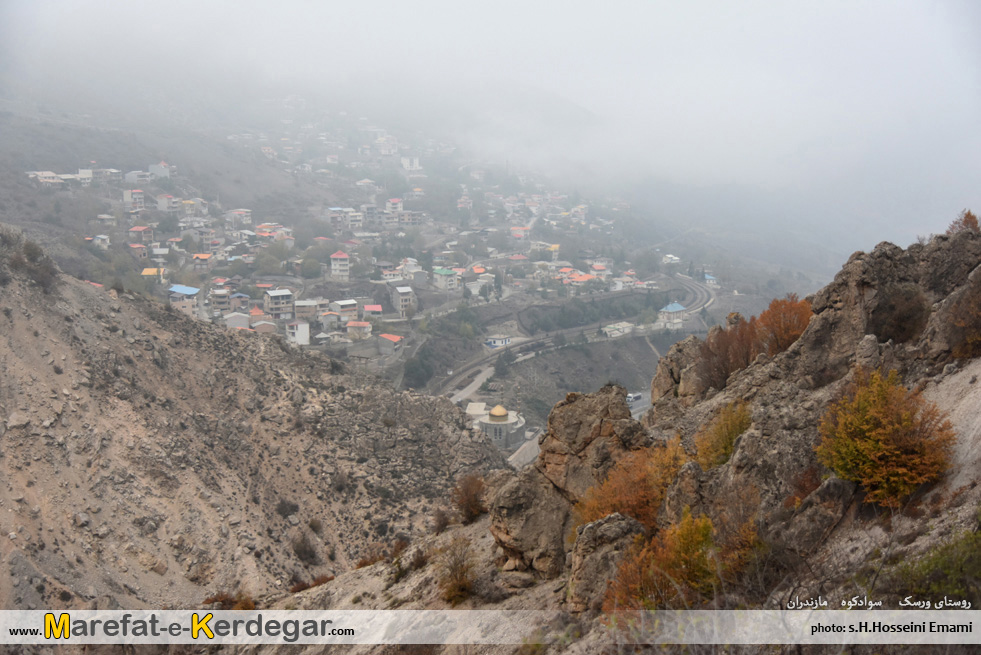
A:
(529, 521)
(599, 547)
(531, 515)
(773, 467)
(675, 373)
(586, 435)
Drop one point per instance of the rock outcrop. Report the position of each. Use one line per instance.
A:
(886, 309)
(531, 514)
(598, 549)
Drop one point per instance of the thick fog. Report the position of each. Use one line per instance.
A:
(850, 122)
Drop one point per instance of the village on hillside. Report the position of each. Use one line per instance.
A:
(354, 275)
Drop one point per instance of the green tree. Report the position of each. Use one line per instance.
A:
(503, 363)
(310, 268)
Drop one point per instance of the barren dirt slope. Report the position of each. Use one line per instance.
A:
(153, 459)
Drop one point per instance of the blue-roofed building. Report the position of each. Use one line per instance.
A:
(711, 281)
(671, 316)
(239, 301)
(184, 299)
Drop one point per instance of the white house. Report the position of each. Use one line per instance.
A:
(236, 320)
(340, 266)
(671, 316)
(298, 333)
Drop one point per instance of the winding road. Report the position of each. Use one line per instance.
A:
(697, 297)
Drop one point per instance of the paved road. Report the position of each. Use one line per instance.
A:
(471, 388)
(701, 297)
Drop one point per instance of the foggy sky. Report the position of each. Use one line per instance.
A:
(858, 120)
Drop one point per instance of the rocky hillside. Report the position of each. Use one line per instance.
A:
(813, 533)
(153, 459)
(816, 533)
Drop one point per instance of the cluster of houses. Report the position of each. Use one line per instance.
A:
(670, 317)
(314, 321)
(599, 272)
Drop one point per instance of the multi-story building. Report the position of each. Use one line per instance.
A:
(184, 299)
(445, 279)
(340, 266)
(278, 303)
(133, 200)
(403, 299)
(347, 310)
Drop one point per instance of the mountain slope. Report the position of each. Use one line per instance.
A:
(154, 459)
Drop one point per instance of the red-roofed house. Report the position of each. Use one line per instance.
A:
(390, 344)
(140, 234)
(202, 261)
(372, 310)
(340, 266)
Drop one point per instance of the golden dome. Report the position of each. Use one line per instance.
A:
(499, 413)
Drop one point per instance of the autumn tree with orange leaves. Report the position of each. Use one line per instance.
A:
(783, 322)
(726, 351)
(965, 221)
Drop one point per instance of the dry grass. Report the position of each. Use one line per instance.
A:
(456, 578)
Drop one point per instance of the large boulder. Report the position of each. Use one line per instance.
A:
(531, 515)
(599, 547)
(586, 435)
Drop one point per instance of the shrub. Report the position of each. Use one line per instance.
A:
(399, 546)
(316, 525)
(715, 442)
(340, 481)
(782, 323)
(419, 559)
(726, 351)
(285, 508)
(244, 603)
(884, 437)
(803, 485)
(226, 601)
(376, 553)
(305, 550)
(965, 322)
(440, 521)
(32, 252)
(952, 569)
(468, 497)
(901, 314)
(675, 570)
(456, 570)
(965, 221)
(635, 486)
(682, 567)
(299, 586)
(32, 261)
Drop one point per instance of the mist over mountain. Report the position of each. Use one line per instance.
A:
(839, 124)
